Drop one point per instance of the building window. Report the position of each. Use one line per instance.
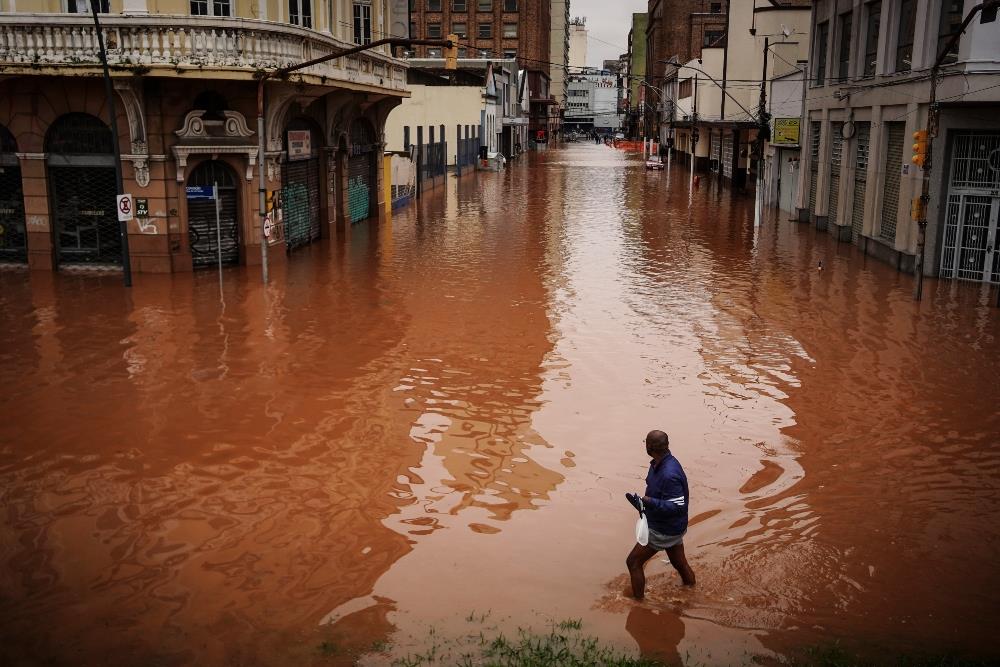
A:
(904, 39)
(434, 53)
(459, 6)
(510, 5)
(715, 7)
(684, 89)
(873, 20)
(413, 29)
(461, 30)
(510, 54)
(463, 52)
(485, 31)
(712, 38)
(844, 50)
(362, 22)
(509, 30)
(199, 7)
(951, 22)
(484, 5)
(300, 13)
(819, 52)
(434, 31)
(433, 5)
(83, 7)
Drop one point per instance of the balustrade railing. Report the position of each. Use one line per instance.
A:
(39, 40)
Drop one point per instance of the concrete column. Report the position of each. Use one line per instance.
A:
(38, 223)
(876, 179)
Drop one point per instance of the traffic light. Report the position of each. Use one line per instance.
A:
(451, 53)
(919, 148)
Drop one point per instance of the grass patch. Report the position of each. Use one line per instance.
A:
(563, 646)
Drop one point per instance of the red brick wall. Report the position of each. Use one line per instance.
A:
(676, 28)
(533, 29)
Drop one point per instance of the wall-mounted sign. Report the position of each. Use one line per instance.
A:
(299, 145)
(142, 208)
(786, 132)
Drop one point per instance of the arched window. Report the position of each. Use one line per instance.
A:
(78, 134)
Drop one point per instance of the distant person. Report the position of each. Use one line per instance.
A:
(666, 505)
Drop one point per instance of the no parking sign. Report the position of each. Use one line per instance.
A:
(125, 207)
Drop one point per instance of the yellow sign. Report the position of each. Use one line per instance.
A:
(786, 131)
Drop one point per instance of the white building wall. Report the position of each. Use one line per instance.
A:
(433, 106)
(577, 47)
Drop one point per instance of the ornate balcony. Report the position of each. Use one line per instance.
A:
(158, 45)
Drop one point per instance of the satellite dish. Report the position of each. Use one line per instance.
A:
(786, 31)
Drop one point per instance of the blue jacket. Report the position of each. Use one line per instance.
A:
(667, 490)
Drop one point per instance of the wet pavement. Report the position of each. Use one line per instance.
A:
(426, 428)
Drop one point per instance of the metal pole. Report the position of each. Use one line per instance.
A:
(762, 128)
(694, 127)
(262, 184)
(218, 226)
(119, 184)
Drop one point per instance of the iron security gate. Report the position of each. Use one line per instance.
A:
(82, 186)
(890, 192)
(861, 152)
(361, 170)
(300, 202)
(836, 154)
(727, 155)
(13, 239)
(86, 224)
(972, 216)
(202, 234)
(813, 164)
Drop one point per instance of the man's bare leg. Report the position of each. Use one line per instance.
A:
(679, 561)
(635, 562)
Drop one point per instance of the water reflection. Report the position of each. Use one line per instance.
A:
(415, 421)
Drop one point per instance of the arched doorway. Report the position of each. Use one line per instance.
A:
(300, 183)
(361, 175)
(13, 236)
(82, 189)
(203, 233)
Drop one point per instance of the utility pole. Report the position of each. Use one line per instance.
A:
(922, 158)
(95, 8)
(451, 46)
(694, 127)
(763, 132)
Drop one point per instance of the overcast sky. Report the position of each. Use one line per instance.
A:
(608, 23)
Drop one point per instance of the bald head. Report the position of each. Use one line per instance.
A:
(657, 444)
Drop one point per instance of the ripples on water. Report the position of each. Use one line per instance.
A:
(441, 415)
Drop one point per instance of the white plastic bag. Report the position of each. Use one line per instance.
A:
(642, 526)
(642, 530)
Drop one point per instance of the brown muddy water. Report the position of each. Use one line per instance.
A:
(426, 428)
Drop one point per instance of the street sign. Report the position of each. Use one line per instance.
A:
(200, 192)
(268, 226)
(142, 208)
(786, 131)
(299, 145)
(125, 207)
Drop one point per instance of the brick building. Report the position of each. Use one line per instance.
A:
(185, 96)
(498, 29)
(681, 28)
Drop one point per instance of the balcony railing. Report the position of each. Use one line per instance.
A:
(41, 42)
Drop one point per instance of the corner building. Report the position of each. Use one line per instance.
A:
(185, 87)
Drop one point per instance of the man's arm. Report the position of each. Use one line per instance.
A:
(665, 505)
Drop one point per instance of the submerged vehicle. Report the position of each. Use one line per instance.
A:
(655, 162)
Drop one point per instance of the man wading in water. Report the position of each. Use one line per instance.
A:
(666, 506)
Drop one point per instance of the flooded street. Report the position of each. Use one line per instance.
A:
(427, 428)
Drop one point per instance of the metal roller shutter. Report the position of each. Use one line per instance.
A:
(83, 201)
(814, 128)
(204, 235)
(727, 156)
(890, 192)
(300, 202)
(836, 154)
(361, 177)
(860, 180)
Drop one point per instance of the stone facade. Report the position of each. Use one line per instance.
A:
(175, 120)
